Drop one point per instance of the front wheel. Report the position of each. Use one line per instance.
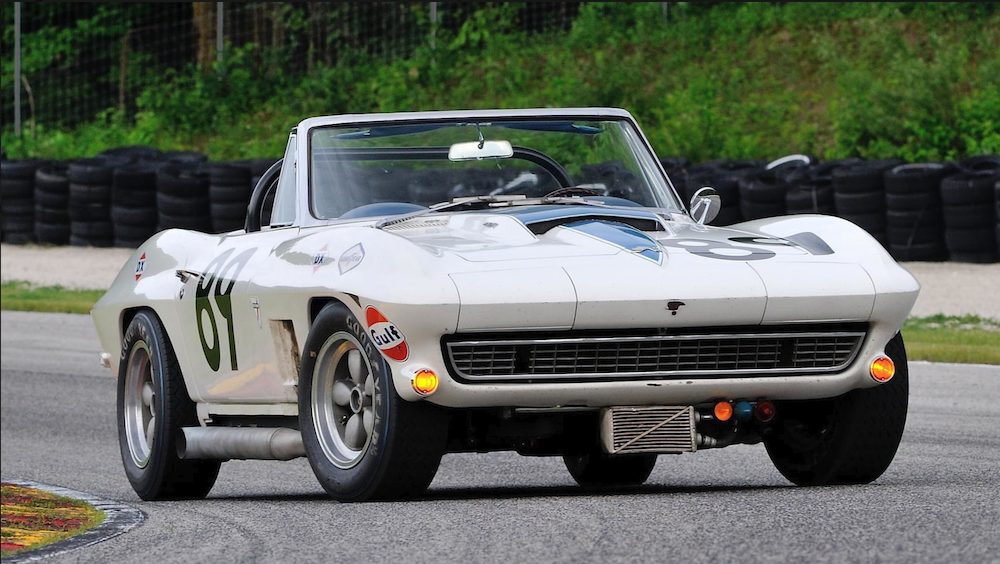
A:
(362, 440)
(153, 407)
(850, 439)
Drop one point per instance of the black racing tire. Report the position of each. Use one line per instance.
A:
(180, 180)
(975, 240)
(850, 439)
(90, 212)
(595, 469)
(178, 206)
(18, 223)
(233, 210)
(985, 257)
(930, 201)
(810, 197)
(151, 392)
(968, 188)
(20, 168)
(92, 230)
(57, 216)
(756, 210)
(52, 178)
(870, 222)
(969, 216)
(18, 237)
(145, 216)
(916, 178)
(90, 171)
(396, 455)
(852, 203)
(201, 223)
(90, 193)
(17, 188)
(926, 252)
(52, 200)
(866, 176)
(18, 207)
(763, 187)
(980, 163)
(52, 233)
(916, 234)
(134, 232)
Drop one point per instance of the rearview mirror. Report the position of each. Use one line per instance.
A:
(705, 205)
(479, 150)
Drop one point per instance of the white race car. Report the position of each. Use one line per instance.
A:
(414, 284)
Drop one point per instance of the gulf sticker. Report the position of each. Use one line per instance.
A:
(386, 336)
(140, 267)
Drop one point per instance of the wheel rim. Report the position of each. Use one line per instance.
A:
(140, 405)
(343, 400)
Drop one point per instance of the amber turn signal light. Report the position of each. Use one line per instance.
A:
(882, 369)
(723, 411)
(425, 382)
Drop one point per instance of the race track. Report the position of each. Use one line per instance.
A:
(938, 502)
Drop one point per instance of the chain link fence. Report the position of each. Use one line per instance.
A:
(72, 62)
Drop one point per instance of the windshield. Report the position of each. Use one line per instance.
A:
(421, 164)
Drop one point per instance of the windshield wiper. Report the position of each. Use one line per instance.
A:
(503, 199)
(455, 203)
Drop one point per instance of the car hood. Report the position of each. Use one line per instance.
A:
(580, 267)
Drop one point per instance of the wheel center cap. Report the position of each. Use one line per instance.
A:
(357, 399)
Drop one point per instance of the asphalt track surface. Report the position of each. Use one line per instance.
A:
(938, 502)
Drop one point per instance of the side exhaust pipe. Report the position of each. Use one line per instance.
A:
(243, 443)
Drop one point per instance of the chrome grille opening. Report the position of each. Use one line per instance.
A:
(590, 355)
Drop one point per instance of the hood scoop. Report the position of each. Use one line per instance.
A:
(541, 219)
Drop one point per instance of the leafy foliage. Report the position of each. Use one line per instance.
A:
(920, 81)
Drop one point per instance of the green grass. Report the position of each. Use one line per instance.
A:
(938, 338)
(21, 296)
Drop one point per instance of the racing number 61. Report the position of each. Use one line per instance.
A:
(223, 278)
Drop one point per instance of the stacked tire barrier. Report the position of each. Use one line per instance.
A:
(182, 197)
(859, 195)
(17, 200)
(134, 211)
(969, 210)
(229, 192)
(90, 203)
(811, 188)
(52, 204)
(121, 197)
(914, 223)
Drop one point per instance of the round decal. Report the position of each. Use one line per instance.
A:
(386, 336)
(723, 250)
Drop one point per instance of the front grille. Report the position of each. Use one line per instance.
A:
(714, 354)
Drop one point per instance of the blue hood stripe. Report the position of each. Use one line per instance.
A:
(620, 235)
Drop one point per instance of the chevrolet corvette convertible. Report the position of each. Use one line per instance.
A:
(409, 285)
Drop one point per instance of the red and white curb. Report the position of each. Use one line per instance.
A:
(118, 519)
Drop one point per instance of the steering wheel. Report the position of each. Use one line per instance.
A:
(573, 191)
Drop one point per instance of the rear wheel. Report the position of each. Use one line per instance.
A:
(850, 439)
(363, 441)
(598, 470)
(153, 406)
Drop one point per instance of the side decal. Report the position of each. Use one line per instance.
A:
(723, 250)
(223, 278)
(351, 258)
(140, 267)
(319, 259)
(386, 336)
